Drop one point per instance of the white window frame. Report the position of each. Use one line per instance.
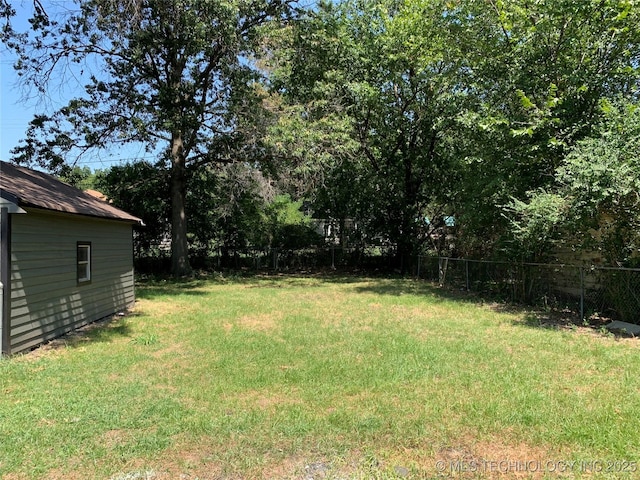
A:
(83, 262)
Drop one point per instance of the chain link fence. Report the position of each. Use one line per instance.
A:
(590, 291)
(280, 259)
(283, 259)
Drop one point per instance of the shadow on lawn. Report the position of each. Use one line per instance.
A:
(152, 287)
(364, 281)
(101, 331)
(157, 287)
(399, 286)
(527, 316)
(378, 283)
(565, 320)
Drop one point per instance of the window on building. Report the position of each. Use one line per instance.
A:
(84, 262)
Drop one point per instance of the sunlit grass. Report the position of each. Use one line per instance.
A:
(324, 377)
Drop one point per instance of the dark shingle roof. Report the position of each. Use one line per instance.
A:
(30, 188)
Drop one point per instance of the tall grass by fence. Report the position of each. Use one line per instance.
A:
(589, 291)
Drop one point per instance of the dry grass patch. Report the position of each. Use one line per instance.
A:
(173, 353)
(266, 400)
(317, 379)
(163, 309)
(470, 457)
(188, 459)
(261, 322)
(115, 438)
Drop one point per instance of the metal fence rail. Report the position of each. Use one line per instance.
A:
(586, 290)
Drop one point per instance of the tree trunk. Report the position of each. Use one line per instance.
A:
(405, 248)
(409, 213)
(180, 265)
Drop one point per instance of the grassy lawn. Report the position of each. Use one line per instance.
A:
(323, 377)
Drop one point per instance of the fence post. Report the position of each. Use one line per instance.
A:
(581, 293)
(443, 262)
(333, 257)
(466, 273)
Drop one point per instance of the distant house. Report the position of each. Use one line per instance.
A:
(66, 258)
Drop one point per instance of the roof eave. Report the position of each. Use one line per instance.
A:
(10, 202)
(133, 220)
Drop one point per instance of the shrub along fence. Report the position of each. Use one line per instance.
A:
(590, 291)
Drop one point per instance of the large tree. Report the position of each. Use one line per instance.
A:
(177, 76)
(390, 71)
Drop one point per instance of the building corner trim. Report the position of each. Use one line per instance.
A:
(5, 280)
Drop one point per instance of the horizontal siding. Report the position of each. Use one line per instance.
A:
(57, 289)
(22, 314)
(46, 300)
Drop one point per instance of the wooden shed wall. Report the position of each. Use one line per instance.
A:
(46, 300)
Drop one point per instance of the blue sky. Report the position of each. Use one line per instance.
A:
(14, 114)
(17, 109)
(17, 106)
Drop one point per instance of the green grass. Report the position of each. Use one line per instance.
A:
(323, 377)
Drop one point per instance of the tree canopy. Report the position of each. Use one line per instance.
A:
(457, 107)
(177, 77)
(594, 200)
(394, 114)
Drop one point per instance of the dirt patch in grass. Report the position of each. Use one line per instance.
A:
(14, 476)
(84, 334)
(310, 467)
(190, 461)
(205, 460)
(209, 459)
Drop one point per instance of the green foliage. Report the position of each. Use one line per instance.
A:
(594, 202)
(382, 112)
(140, 189)
(80, 177)
(237, 208)
(536, 224)
(232, 207)
(177, 77)
(288, 225)
(539, 72)
(386, 73)
(457, 107)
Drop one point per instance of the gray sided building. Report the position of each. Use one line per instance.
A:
(66, 258)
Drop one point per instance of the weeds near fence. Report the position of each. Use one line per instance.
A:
(589, 291)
